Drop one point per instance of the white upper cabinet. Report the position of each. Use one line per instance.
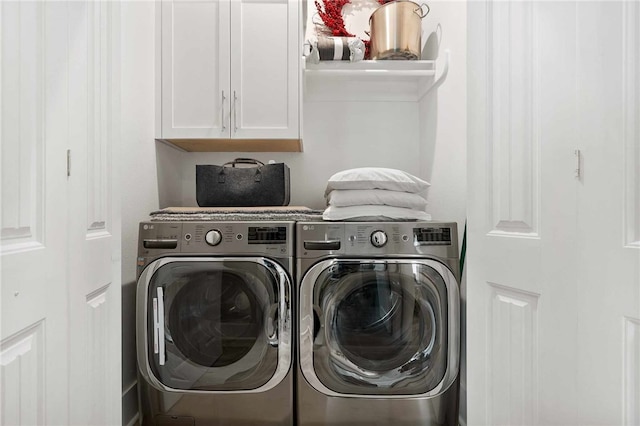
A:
(265, 69)
(195, 69)
(230, 69)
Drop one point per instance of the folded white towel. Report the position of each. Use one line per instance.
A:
(373, 213)
(360, 197)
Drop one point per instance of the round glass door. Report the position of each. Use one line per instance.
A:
(213, 324)
(381, 327)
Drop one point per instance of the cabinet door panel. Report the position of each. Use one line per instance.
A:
(265, 69)
(195, 69)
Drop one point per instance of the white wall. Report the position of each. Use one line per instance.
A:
(138, 169)
(443, 132)
(426, 138)
(338, 135)
(443, 116)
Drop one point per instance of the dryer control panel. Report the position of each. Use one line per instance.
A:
(319, 239)
(432, 236)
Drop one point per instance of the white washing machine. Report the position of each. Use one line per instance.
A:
(379, 325)
(214, 316)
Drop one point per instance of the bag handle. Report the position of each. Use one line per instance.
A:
(258, 176)
(243, 161)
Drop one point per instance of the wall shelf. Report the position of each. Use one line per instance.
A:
(420, 75)
(408, 69)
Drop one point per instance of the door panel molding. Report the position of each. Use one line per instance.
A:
(98, 314)
(512, 123)
(23, 371)
(22, 125)
(631, 370)
(98, 117)
(512, 356)
(631, 96)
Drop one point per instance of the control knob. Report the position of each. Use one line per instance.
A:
(378, 238)
(213, 237)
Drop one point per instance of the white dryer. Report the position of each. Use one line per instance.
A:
(214, 323)
(379, 325)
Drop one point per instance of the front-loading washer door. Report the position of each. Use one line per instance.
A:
(379, 327)
(214, 324)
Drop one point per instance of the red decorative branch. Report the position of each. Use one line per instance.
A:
(331, 15)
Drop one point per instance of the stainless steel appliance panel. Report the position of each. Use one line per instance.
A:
(403, 272)
(379, 327)
(214, 323)
(317, 409)
(272, 408)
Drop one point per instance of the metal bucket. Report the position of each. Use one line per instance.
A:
(396, 30)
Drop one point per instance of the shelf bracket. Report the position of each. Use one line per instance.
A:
(439, 80)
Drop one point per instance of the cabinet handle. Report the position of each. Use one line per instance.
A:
(235, 117)
(222, 121)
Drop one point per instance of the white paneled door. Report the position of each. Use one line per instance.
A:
(33, 341)
(94, 227)
(60, 337)
(554, 261)
(608, 245)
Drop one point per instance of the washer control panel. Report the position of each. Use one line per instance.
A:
(221, 238)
